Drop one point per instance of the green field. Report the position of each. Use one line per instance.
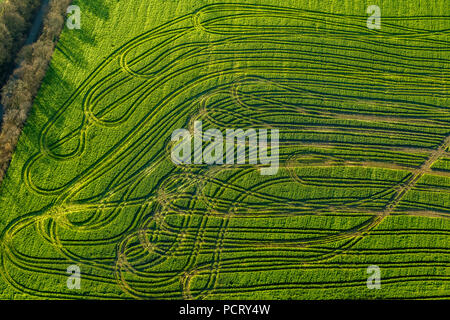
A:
(364, 178)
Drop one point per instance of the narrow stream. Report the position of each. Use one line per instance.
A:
(33, 35)
(37, 23)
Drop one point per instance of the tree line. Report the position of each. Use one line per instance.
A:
(32, 62)
(15, 20)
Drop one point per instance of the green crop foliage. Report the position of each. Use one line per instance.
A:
(364, 124)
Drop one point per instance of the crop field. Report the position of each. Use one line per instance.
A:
(364, 160)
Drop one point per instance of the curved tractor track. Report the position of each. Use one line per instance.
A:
(361, 123)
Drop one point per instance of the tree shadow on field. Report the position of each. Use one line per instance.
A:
(72, 43)
(73, 54)
(97, 8)
(46, 102)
